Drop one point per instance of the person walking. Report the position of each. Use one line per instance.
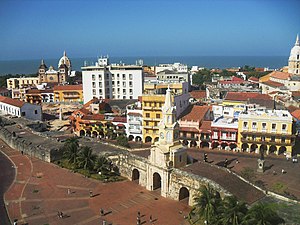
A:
(226, 163)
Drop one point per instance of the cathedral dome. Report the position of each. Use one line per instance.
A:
(295, 51)
(64, 61)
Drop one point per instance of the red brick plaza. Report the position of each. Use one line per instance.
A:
(41, 189)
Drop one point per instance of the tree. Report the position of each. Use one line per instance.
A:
(102, 165)
(72, 140)
(123, 141)
(262, 214)
(207, 203)
(232, 211)
(86, 158)
(71, 152)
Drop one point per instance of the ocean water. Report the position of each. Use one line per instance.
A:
(222, 62)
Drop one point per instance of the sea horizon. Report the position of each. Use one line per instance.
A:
(30, 66)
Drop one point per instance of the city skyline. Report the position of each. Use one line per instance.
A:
(43, 29)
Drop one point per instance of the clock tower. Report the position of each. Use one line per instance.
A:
(168, 151)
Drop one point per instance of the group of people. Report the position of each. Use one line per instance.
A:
(60, 215)
(138, 218)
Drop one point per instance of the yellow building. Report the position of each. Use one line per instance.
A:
(156, 88)
(68, 93)
(22, 82)
(152, 115)
(266, 130)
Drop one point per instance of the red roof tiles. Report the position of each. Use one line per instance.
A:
(244, 96)
(67, 87)
(197, 113)
(273, 83)
(198, 94)
(10, 101)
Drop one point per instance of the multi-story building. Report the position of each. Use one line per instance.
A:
(173, 76)
(135, 122)
(36, 96)
(175, 66)
(161, 87)
(22, 82)
(152, 114)
(195, 126)
(112, 81)
(68, 93)
(294, 59)
(266, 130)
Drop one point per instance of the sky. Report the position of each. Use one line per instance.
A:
(35, 29)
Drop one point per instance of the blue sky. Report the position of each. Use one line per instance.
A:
(43, 29)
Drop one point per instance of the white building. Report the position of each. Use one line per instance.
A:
(180, 68)
(135, 122)
(13, 107)
(112, 81)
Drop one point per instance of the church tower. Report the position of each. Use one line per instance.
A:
(294, 59)
(42, 72)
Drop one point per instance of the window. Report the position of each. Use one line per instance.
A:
(264, 126)
(100, 77)
(94, 85)
(147, 115)
(93, 76)
(100, 84)
(35, 112)
(23, 114)
(273, 126)
(263, 138)
(254, 125)
(180, 158)
(147, 123)
(113, 76)
(123, 76)
(283, 126)
(124, 91)
(94, 92)
(107, 76)
(283, 139)
(273, 138)
(100, 91)
(130, 76)
(113, 83)
(245, 124)
(124, 84)
(157, 116)
(253, 137)
(130, 83)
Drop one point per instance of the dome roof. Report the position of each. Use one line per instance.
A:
(295, 50)
(64, 60)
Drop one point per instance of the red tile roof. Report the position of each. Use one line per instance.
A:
(296, 93)
(296, 114)
(234, 78)
(205, 127)
(280, 75)
(273, 83)
(292, 108)
(134, 114)
(189, 129)
(67, 87)
(197, 113)
(120, 119)
(93, 117)
(244, 96)
(10, 101)
(198, 94)
(253, 79)
(231, 82)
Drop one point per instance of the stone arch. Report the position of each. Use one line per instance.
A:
(138, 138)
(88, 133)
(224, 145)
(204, 144)
(272, 149)
(215, 144)
(135, 175)
(253, 147)
(184, 195)
(245, 146)
(82, 133)
(156, 181)
(101, 134)
(232, 146)
(281, 150)
(263, 148)
(185, 142)
(193, 144)
(148, 139)
(130, 137)
(156, 139)
(95, 133)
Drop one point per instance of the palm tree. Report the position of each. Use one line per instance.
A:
(232, 211)
(207, 203)
(86, 158)
(71, 152)
(262, 214)
(72, 140)
(102, 165)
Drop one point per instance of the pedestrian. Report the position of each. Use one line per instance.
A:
(69, 191)
(237, 161)
(61, 215)
(150, 220)
(15, 222)
(101, 212)
(104, 222)
(225, 163)
(91, 194)
(138, 221)
(58, 214)
(139, 214)
(205, 157)
(283, 171)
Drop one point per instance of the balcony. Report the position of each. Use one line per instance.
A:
(135, 131)
(215, 137)
(148, 107)
(227, 138)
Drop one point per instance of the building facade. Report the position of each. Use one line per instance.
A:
(21, 82)
(68, 93)
(112, 81)
(269, 131)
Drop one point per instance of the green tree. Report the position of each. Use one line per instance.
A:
(71, 152)
(86, 158)
(262, 214)
(102, 165)
(72, 140)
(208, 203)
(123, 141)
(232, 211)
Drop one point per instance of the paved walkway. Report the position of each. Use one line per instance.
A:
(41, 190)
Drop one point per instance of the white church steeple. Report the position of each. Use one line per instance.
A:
(294, 59)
